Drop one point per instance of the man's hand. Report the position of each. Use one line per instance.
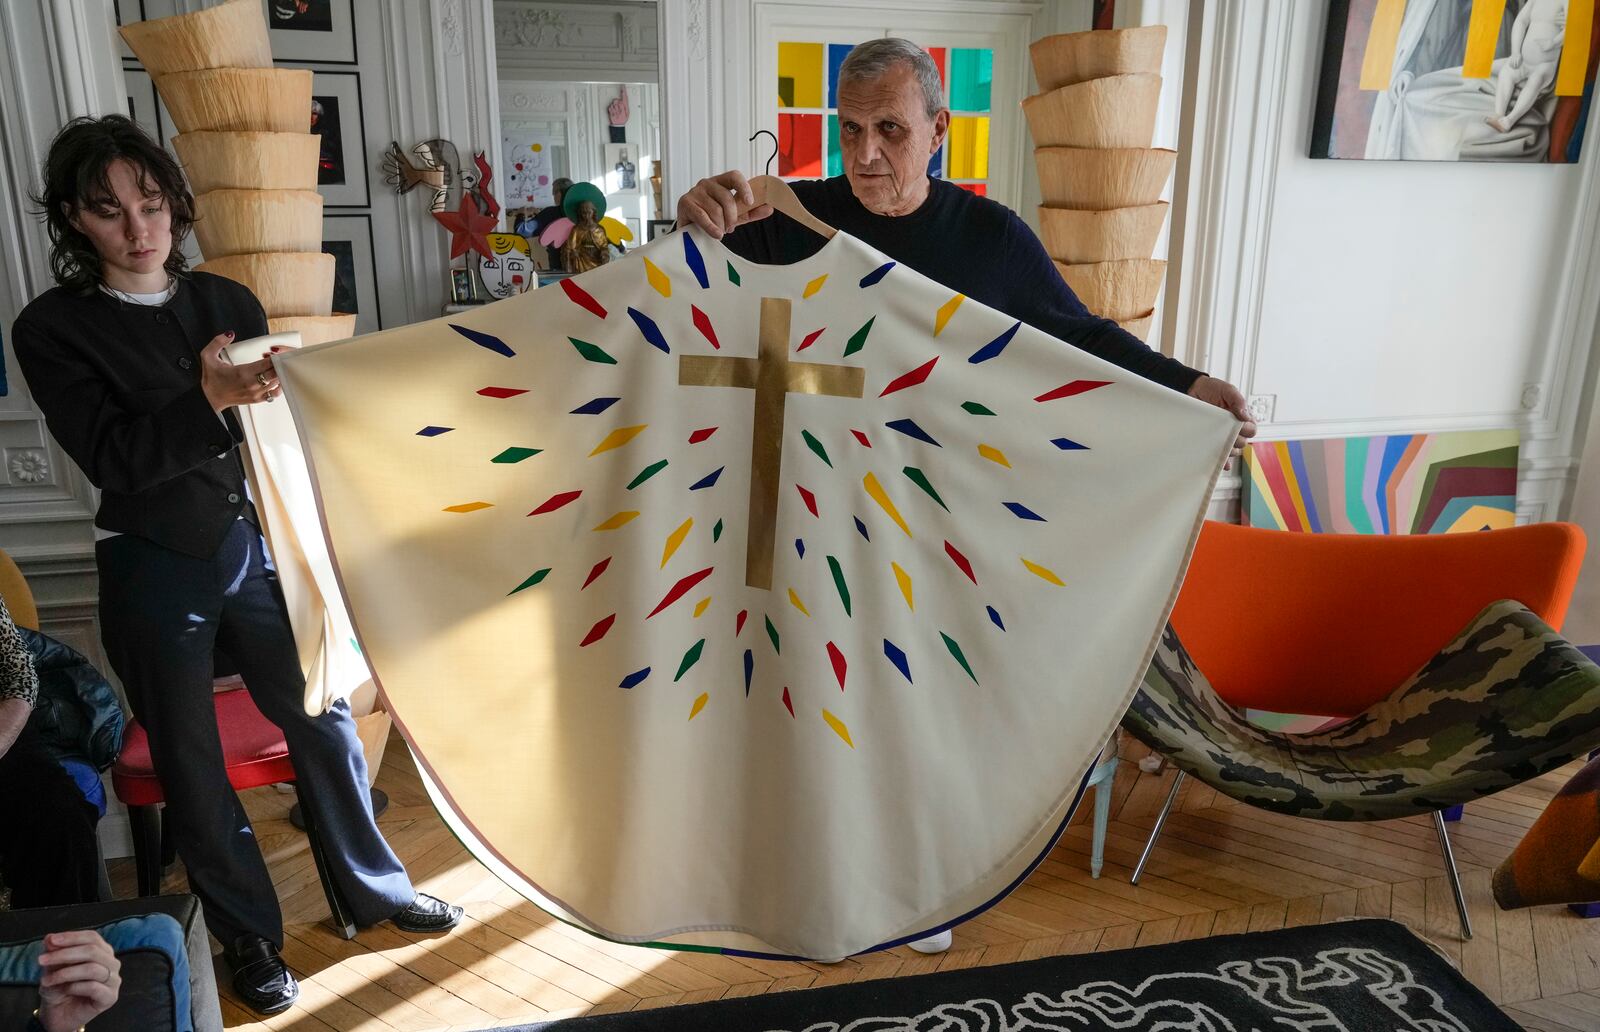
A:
(1225, 395)
(81, 980)
(720, 205)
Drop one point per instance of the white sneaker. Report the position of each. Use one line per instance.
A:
(935, 943)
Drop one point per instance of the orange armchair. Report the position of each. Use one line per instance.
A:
(1261, 610)
(1439, 652)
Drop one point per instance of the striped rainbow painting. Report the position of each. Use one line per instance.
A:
(1403, 484)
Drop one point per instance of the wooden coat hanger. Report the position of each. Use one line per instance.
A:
(774, 191)
(769, 189)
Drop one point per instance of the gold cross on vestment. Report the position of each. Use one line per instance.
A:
(773, 377)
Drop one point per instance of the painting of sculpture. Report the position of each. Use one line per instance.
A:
(1456, 80)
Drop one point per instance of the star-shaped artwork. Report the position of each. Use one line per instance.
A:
(467, 227)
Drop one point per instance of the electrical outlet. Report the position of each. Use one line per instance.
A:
(1261, 407)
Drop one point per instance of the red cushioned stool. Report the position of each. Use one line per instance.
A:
(255, 754)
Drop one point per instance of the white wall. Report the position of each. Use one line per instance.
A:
(1404, 294)
(1364, 297)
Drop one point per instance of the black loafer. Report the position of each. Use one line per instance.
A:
(427, 914)
(259, 975)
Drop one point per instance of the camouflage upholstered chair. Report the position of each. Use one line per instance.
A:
(1437, 653)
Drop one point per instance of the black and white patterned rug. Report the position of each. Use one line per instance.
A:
(1351, 976)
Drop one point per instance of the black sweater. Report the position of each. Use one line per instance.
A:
(972, 245)
(119, 386)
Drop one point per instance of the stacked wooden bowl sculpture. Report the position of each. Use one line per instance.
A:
(1101, 180)
(244, 142)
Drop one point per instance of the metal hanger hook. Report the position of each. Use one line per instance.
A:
(773, 157)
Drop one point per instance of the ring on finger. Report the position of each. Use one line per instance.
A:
(261, 378)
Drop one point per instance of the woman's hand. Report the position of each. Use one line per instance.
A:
(81, 979)
(721, 204)
(227, 385)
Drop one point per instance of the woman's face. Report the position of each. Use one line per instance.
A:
(132, 233)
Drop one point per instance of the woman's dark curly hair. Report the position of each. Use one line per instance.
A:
(77, 176)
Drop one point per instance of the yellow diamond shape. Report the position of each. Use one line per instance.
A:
(945, 312)
(617, 438)
(994, 454)
(618, 520)
(657, 278)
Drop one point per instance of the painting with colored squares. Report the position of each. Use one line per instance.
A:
(707, 592)
(808, 116)
(1469, 80)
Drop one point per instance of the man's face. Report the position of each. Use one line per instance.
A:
(886, 138)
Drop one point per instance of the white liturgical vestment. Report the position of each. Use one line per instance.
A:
(778, 609)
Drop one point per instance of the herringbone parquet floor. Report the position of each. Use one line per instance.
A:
(1220, 868)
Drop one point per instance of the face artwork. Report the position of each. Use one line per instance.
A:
(508, 269)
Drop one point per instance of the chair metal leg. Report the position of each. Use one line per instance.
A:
(145, 824)
(1102, 814)
(1155, 832)
(338, 910)
(1455, 877)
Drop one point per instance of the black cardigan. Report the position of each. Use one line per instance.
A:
(119, 386)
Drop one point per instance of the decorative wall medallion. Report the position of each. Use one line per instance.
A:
(533, 28)
(697, 29)
(553, 100)
(28, 465)
(450, 24)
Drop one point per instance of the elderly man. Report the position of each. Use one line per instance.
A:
(892, 119)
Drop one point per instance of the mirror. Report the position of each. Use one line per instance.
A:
(579, 102)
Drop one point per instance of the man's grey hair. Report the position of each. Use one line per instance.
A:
(870, 60)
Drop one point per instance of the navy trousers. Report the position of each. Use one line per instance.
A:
(162, 616)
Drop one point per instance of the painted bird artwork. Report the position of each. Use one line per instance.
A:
(438, 171)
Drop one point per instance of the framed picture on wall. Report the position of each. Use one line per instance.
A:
(1454, 82)
(658, 227)
(144, 105)
(622, 168)
(311, 30)
(126, 12)
(355, 278)
(342, 160)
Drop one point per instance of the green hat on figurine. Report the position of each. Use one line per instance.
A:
(576, 194)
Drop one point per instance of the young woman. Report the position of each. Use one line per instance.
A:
(125, 357)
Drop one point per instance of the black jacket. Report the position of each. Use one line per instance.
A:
(119, 386)
(77, 713)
